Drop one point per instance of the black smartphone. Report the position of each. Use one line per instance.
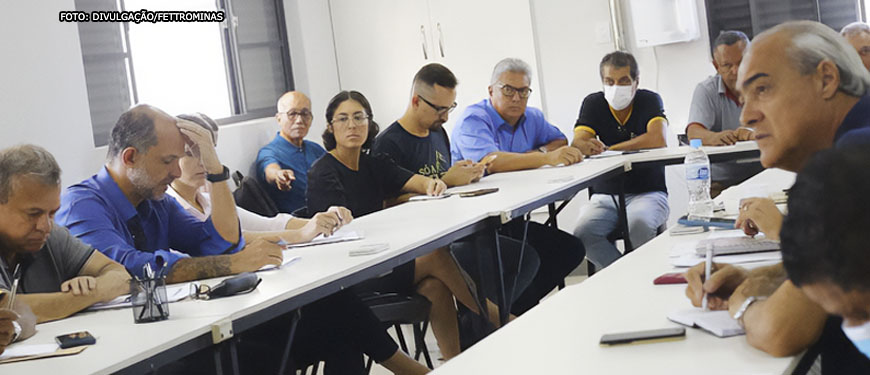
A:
(75, 339)
(477, 193)
(704, 221)
(653, 335)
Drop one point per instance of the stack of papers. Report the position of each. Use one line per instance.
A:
(341, 235)
(684, 254)
(174, 293)
(719, 323)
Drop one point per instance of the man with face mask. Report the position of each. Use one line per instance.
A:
(623, 118)
(824, 250)
(714, 116)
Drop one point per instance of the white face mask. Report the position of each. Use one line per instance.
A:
(860, 336)
(619, 97)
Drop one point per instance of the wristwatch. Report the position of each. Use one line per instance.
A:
(543, 149)
(220, 177)
(738, 316)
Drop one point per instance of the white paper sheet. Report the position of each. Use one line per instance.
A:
(24, 350)
(341, 235)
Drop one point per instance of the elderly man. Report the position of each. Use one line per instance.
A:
(283, 163)
(804, 90)
(58, 274)
(858, 35)
(623, 117)
(520, 137)
(504, 126)
(714, 116)
(122, 211)
(829, 263)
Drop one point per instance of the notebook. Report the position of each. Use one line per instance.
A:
(719, 323)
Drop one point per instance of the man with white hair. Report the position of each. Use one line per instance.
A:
(504, 126)
(858, 35)
(520, 137)
(804, 90)
(282, 165)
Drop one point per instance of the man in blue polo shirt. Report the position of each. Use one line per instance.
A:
(505, 126)
(282, 165)
(123, 210)
(805, 89)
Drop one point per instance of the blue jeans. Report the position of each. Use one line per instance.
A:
(600, 217)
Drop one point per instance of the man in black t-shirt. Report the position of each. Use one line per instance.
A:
(623, 118)
(418, 143)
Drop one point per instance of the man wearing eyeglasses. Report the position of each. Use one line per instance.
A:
(283, 163)
(858, 35)
(624, 118)
(504, 126)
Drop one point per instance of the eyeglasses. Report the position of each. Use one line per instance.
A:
(304, 114)
(509, 91)
(358, 119)
(439, 109)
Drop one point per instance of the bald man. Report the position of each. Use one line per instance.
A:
(283, 163)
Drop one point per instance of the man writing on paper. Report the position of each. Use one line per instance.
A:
(59, 275)
(804, 90)
(123, 211)
(714, 116)
(505, 126)
(283, 163)
(824, 248)
(623, 118)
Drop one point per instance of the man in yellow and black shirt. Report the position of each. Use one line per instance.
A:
(622, 118)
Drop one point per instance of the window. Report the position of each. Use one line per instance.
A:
(233, 70)
(754, 16)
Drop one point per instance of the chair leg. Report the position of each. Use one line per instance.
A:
(401, 337)
(420, 339)
(369, 363)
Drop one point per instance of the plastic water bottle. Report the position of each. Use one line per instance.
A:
(698, 181)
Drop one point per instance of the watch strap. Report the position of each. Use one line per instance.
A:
(220, 177)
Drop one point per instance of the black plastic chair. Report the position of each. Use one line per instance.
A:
(252, 196)
(394, 309)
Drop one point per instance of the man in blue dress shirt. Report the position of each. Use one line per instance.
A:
(282, 165)
(123, 210)
(520, 138)
(505, 126)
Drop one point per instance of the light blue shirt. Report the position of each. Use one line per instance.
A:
(288, 156)
(480, 130)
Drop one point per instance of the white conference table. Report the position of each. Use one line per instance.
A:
(411, 230)
(561, 335)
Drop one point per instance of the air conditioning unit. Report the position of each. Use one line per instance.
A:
(658, 22)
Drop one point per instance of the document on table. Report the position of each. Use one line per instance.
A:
(24, 352)
(606, 154)
(719, 323)
(174, 293)
(341, 235)
(683, 254)
(288, 259)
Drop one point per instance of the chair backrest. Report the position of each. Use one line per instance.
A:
(252, 196)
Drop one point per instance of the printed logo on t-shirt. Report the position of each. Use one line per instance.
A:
(436, 170)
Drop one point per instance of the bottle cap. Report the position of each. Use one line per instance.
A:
(695, 143)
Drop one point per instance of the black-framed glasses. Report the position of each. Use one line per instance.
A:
(509, 91)
(359, 119)
(440, 110)
(304, 114)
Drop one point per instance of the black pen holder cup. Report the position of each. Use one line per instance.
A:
(149, 300)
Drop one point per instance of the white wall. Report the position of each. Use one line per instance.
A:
(44, 99)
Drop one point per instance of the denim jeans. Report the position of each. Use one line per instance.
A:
(600, 217)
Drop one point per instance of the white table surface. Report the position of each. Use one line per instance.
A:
(561, 335)
(120, 343)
